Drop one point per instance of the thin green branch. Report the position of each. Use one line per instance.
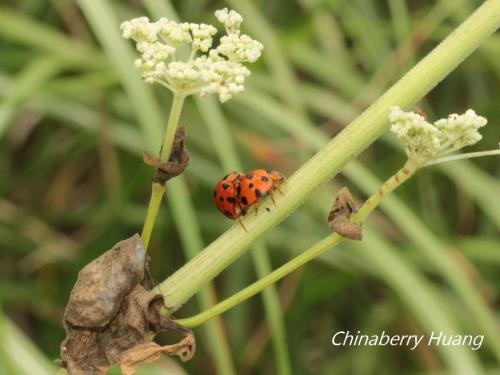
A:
(468, 155)
(262, 283)
(158, 190)
(179, 287)
(173, 120)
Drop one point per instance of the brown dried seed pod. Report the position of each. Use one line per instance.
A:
(339, 217)
(111, 313)
(103, 284)
(177, 163)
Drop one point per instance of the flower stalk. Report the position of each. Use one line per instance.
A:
(469, 155)
(157, 189)
(186, 281)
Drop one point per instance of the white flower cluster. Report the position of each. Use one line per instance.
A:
(217, 70)
(425, 141)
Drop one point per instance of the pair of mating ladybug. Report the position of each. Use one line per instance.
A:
(235, 193)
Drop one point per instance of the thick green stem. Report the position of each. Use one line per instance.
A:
(157, 189)
(316, 250)
(179, 287)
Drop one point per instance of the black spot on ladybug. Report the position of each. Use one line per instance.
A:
(225, 185)
(228, 214)
(250, 185)
(231, 199)
(264, 178)
(250, 176)
(238, 190)
(221, 199)
(258, 194)
(244, 200)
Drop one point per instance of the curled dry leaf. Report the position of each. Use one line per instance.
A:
(177, 163)
(150, 352)
(111, 312)
(339, 218)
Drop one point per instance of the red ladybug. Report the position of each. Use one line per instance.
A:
(225, 196)
(256, 185)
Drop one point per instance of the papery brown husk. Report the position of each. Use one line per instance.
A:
(112, 315)
(339, 217)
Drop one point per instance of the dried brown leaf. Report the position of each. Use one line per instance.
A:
(150, 352)
(112, 312)
(339, 217)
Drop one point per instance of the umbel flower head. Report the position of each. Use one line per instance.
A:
(425, 142)
(207, 70)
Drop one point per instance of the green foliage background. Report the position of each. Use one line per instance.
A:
(75, 117)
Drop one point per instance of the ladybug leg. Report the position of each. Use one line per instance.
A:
(241, 223)
(272, 196)
(278, 188)
(257, 204)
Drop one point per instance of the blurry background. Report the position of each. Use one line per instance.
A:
(75, 117)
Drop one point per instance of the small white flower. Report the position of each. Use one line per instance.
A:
(240, 48)
(221, 76)
(461, 130)
(425, 141)
(172, 32)
(231, 19)
(202, 36)
(139, 29)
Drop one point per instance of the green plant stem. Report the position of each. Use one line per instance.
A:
(262, 283)
(388, 186)
(186, 281)
(316, 250)
(157, 189)
(157, 192)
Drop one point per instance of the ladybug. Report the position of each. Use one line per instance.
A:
(255, 185)
(225, 196)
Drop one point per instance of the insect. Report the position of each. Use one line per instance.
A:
(225, 196)
(235, 193)
(255, 185)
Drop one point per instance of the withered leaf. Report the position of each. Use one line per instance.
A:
(178, 160)
(339, 217)
(150, 352)
(112, 312)
(103, 283)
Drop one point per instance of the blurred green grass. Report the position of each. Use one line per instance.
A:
(74, 119)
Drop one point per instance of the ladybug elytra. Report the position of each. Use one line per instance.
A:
(225, 195)
(257, 184)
